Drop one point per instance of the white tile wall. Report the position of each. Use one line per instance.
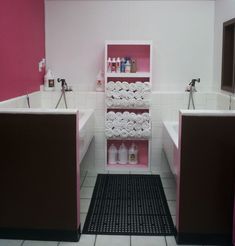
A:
(164, 106)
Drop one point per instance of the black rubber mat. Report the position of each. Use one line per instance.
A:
(129, 205)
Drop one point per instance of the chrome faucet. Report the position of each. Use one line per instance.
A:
(191, 88)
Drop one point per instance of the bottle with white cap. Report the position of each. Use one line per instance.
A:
(109, 65)
(133, 154)
(112, 154)
(118, 65)
(49, 81)
(122, 154)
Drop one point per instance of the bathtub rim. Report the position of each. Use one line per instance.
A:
(174, 135)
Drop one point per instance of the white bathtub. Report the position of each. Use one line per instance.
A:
(86, 131)
(170, 142)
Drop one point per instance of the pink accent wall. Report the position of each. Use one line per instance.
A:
(22, 46)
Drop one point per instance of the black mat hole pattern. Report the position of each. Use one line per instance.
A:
(124, 204)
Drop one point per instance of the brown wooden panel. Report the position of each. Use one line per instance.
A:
(38, 171)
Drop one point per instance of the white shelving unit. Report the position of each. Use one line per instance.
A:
(141, 52)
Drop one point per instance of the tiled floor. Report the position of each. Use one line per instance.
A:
(87, 185)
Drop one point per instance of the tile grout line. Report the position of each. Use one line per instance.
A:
(130, 240)
(165, 241)
(22, 243)
(95, 239)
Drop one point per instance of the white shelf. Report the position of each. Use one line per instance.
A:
(130, 139)
(129, 75)
(128, 42)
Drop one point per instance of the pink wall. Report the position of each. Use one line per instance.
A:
(22, 46)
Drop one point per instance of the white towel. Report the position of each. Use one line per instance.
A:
(118, 85)
(124, 133)
(139, 86)
(119, 116)
(125, 85)
(131, 94)
(109, 124)
(123, 124)
(109, 94)
(132, 116)
(116, 132)
(139, 102)
(146, 133)
(126, 115)
(110, 85)
(139, 119)
(109, 102)
(146, 116)
(137, 95)
(109, 133)
(132, 87)
(139, 134)
(146, 125)
(146, 103)
(137, 126)
(115, 94)
(125, 103)
(111, 115)
(132, 102)
(130, 126)
(132, 133)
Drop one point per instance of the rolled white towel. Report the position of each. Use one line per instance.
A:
(146, 133)
(131, 95)
(147, 84)
(132, 133)
(117, 124)
(132, 116)
(109, 102)
(132, 87)
(109, 133)
(110, 85)
(137, 126)
(124, 124)
(139, 102)
(117, 102)
(146, 116)
(137, 95)
(115, 94)
(145, 95)
(124, 133)
(146, 125)
(111, 115)
(139, 85)
(109, 94)
(146, 103)
(116, 132)
(118, 85)
(130, 126)
(125, 103)
(132, 102)
(139, 133)
(109, 124)
(126, 115)
(119, 116)
(125, 85)
(139, 118)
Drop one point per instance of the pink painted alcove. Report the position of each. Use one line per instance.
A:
(22, 46)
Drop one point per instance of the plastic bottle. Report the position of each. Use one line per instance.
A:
(100, 82)
(128, 66)
(112, 154)
(122, 154)
(118, 65)
(133, 66)
(122, 66)
(133, 154)
(109, 65)
(49, 81)
(113, 67)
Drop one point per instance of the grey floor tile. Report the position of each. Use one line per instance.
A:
(82, 219)
(85, 240)
(108, 240)
(172, 207)
(148, 241)
(82, 178)
(83, 173)
(168, 183)
(39, 243)
(170, 194)
(96, 172)
(6, 242)
(170, 241)
(86, 192)
(89, 182)
(141, 172)
(119, 172)
(84, 205)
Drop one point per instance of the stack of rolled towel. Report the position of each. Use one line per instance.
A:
(127, 125)
(125, 95)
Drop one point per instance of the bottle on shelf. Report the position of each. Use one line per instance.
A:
(112, 154)
(122, 67)
(113, 67)
(133, 66)
(122, 154)
(128, 66)
(133, 154)
(49, 80)
(109, 65)
(100, 81)
(118, 64)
